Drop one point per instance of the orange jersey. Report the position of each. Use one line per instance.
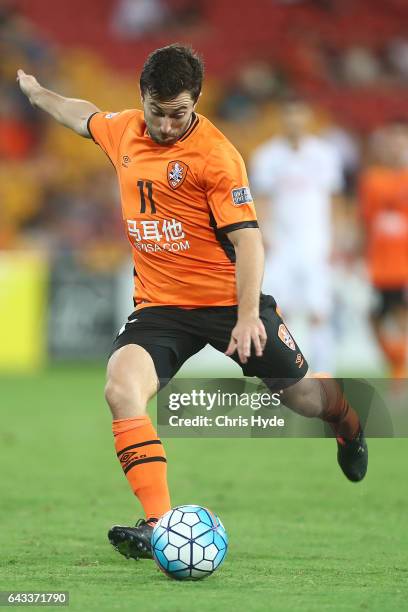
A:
(178, 203)
(384, 207)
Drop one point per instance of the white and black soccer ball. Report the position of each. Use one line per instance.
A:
(189, 542)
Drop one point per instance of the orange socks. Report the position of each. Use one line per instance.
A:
(143, 461)
(337, 412)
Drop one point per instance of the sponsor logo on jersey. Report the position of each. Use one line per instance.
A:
(285, 336)
(241, 196)
(176, 173)
(157, 235)
(111, 115)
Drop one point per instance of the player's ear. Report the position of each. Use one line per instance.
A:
(196, 102)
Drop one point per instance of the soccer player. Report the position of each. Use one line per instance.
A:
(294, 177)
(198, 255)
(384, 211)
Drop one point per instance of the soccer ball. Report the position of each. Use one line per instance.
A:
(189, 542)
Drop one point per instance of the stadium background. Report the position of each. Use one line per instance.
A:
(65, 285)
(59, 197)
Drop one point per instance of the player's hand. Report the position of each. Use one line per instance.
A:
(247, 330)
(28, 84)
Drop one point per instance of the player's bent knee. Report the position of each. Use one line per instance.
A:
(125, 401)
(132, 381)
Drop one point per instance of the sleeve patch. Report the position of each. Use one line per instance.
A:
(241, 196)
(111, 115)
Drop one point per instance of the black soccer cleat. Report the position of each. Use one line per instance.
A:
(133, 542)
(352, 456)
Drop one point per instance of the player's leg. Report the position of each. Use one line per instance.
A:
(314, 396)
(320, 396)
(147, 353)
(131, 382)
(283, 366)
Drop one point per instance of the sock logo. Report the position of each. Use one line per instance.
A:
(130, 456)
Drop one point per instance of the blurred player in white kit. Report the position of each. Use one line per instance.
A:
(294, 177)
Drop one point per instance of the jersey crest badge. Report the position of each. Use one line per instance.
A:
(285, 336)
(176, 173)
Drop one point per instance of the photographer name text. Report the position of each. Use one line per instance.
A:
(226, 421)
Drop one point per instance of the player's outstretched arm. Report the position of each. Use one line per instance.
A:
(70, 112)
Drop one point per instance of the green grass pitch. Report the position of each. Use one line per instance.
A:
(301, 536)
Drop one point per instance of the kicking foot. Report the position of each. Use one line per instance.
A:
(352, 456)
(133, 542)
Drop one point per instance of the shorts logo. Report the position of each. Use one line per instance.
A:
(286, 338)
(241, 196)
(299, 360)
(176, 173)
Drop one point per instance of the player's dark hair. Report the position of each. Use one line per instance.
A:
(170, 70)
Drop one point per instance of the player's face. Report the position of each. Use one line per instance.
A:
(295, 119)
(167, 121)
